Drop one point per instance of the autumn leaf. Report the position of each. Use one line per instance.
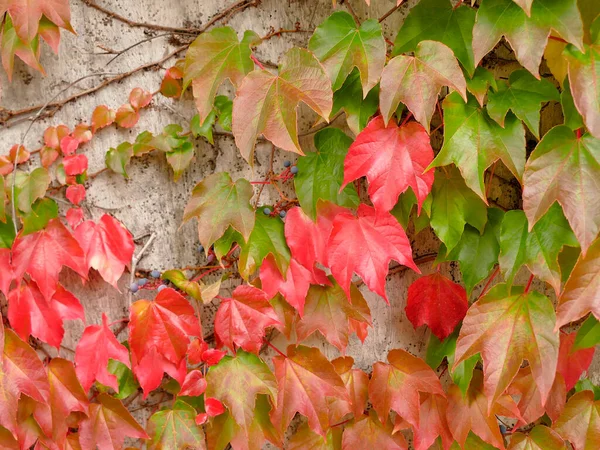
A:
(212, 58)
(341, 45)
(480, 83)
(393, 159)
(432, 67)
(127, 116)
(349, 98)
(305, 438)
(588, 334)
(266, 103)
(579, 423)
(241, 321)
(564, 168)
(175, 428)
(117, 158)
(396, 386)
(572, 363)
(194, 384)
(437, 302)
(357, 385)
(508, 326)
(29, 187)
(539, 438)
(13, 45)
(102, 117)
(371, 433)
(432, 416)
(473, 141)
(217, 203)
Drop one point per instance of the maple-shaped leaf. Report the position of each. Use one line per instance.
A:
(42, 212)
(175, 428)
(538, 249)
(6, 270)
(341, 45)
(108, 424)
(321, 173)
(572, 364)
(365, 244)
(393, 159)
(580, 421)
(241, 320)
(453, 206)
(437, 302)
(329, 311)
(439, 20)
(369, 432)
(572, 117)
(508, 326)
(480, 83)
(539, 438)
(194, 384)
(432, 415)
(304, 438)
(266, 238)
(396, 386)
(96, 346)
(473, 141)
(523, 95)
(469, 413)
(29, 187)
(266, 103)
(13, 45)
(588, 335)
(357, 384)
(527, 35)
(564, 168)
(108, 246)
(432, 67)
(218, 203)
(349, 98)
(311, 377)
(43, 254)
(212, 58)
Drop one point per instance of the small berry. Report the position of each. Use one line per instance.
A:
(155, 274)
(134, 287)
(161, 287)
(294, 170)
(287, 164)
(267, 211)
(200, 248)
(210, 258)
(282, 214)
(142, 282)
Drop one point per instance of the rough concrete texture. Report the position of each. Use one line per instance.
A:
(149, 201)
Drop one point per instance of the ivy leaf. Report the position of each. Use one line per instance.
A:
(539, 249)
(212, 58)
(117, 159)
(217, 202)
(432, 413)
(393, 159)
(42, 212)
(320, 173)
(572, 363)
(340, 46)
(588, 335)
(96, 346)
(6, 270)
(579, 422)
(539, 438)
(527, 36)
(266, 237)
(102, 117)
(356, 382)
(396, 386)
(204, 129)
(266, 103)
(437, 302)
(572, 117)
(479, 84)
(365, 244)
(128, 385)
(565, 168)
(328, 311)
(473, 141)
(508, 326)
(241, 320)
(432, 67)
(439, 20)
(108, 424)
(222, 246)
(13, 45)
(29, 187)
(350, 99)
(108, 247)
(180, 158)
(371, 433)
(305, 438)
(312, 378)
(524, 95)
(181, 282)
(175, 428)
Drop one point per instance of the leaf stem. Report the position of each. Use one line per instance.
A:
(556, 38)
(257, 62)
(406, 119)
(274, 348)
(528, 286)
(489, 281)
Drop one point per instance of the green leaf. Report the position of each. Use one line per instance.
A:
(224, 243)
(224, 109)
(181, 282)
(480, 82)
(7, 233)
(473, 442)
(206, 129)
(439, 20)
(266, 237)
(42, 212)
(566, 260)
(321, 173)
(349, 98)
(340, 46)
(212, 58)
(524, 95)
(454, 205)
(572, 117)
(473, 141)
(217, 202)
(175, 429)
(143, 143)
(588, 335)
(180, 158)
(537, 249)
(587, 385)
(29, 187)
(478, 253)
(128, 385)
(407, 208)
(117, 159)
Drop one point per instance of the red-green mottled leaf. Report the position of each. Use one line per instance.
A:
(139, 98)
(117, 159)
(12, 44)
(171, 85)
(127, 116)
(305, 438)
(102, 117)
(357, 385)
(370, 433)
(572, 363)
(479, 84)
(588, 335)
(175, 428)
(433, 423)
(29, 187)
(580, 421)
(539, 438)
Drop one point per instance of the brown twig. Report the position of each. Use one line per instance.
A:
(389, 13)
(281, 31)
(351, 11)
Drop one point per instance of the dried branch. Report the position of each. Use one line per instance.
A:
(390, 12)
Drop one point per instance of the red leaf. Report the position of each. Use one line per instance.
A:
(171, 85)
(127, 116)
(82, 133)
(366, 244)
(213, 407)
(212, 356)
(74, 217)
(436, 301)
(393, 159)
(48, 155)
(75, 165)
(369, 433)
(44, 253)
(68, 146)
(75, 193)
(107, 245)
(195, 351)
(6, 271)
(139, 98)
(356, 382)
(572, 364)
(194, 384)
(97, 345)
(201, 419)
(53, 136)
(102, 117)
(22, 155)
(241, 320)
(150, 368)
(432, 416)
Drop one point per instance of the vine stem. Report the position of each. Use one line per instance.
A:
(274, 348)
(137, 259)
(389, 13)
(528, 286)
(489, 281)
(257, 62)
